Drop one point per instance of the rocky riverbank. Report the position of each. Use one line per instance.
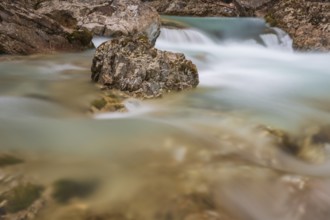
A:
(307, 22)
(23, 31)
(105, 18)
(28, 27)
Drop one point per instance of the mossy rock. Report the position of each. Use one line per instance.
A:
(7, 160)
(21, 197)
(82, 36)
(271, 20)
(99, 103)
(109, 101)
(66, 189)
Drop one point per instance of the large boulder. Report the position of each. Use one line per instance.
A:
(135, 66)
(22, 31)
(104, 17)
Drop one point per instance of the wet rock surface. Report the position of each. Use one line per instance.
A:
(311, 145)
(109, 101)
(204, 185)
(307, 22)
(19, 199)
(105, 18)
(22, 31)
(133, 65)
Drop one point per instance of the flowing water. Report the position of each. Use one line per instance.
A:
(251, 142)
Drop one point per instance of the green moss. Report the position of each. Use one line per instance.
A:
(21, 197)
(7, 160)
(270, 19)
(99, 103)
(173, 24)
(66, 189)
(83, 36)
(143, 38)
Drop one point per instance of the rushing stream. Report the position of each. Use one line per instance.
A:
(211, 153)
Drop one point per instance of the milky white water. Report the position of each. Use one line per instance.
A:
(200, 154)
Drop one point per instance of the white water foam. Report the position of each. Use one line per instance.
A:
(134, 108)
(184, 36)
(98, 40)
(278, 40)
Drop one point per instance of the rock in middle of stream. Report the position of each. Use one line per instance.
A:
(135, 66)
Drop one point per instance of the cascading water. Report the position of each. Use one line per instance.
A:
(256, 72)
(203, 154)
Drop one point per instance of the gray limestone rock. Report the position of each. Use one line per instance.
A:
(135, 66)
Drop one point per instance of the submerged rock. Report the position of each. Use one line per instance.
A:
(8, 160)
(109, 101)
(22, 31)
(21, 202)
(21, 197)
(135, 66)
(66, 189)
(311, 145)
(105, 18)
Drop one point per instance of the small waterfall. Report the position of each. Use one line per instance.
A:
(98, 40)
(279, 39)
(184, 36)
(225, 31)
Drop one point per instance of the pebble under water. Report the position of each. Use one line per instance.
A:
(250, 143)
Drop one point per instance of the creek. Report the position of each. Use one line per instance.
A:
(211, 141)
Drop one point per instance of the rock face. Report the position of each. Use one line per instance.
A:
(308, 22)
(195, 8)
(135, 66)
(22, 31)
(226, 8)
(104, 17)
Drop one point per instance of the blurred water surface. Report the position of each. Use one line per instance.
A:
(202, 154)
